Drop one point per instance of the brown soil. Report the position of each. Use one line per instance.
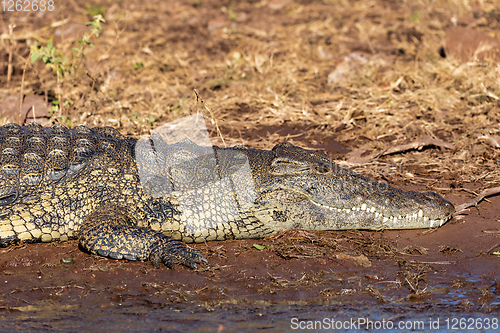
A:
(350, 78)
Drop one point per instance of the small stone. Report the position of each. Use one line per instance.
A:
(67, 261)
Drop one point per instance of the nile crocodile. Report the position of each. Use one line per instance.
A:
(128, 199)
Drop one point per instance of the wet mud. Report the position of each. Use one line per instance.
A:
(263, 283)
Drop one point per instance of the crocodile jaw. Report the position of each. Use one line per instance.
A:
(305, 211)
(361, 213)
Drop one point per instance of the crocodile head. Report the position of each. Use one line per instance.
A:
(305, 189)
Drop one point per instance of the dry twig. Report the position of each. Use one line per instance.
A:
(474, 202)
(9, 66)
(356, 155)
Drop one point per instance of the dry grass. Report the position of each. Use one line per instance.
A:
(260, 70)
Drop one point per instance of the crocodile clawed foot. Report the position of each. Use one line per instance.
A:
(137, 243)
(171, 252)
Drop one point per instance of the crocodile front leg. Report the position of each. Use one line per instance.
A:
(108, 233)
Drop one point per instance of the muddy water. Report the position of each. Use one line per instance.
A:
(133, 316)
(133, 297)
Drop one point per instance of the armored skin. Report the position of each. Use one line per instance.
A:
(128, 199)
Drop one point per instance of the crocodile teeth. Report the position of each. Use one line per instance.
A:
(439, 222)
(391, 219)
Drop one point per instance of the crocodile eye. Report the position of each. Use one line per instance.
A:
(322, 168)
(288, 166)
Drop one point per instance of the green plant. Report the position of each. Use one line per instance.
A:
(52, 57)
(56, 106)
(95, 10)
(79, 52)
(152, 120)
(415, 16)
(66, 67)
(231, 14)
(66, 121)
